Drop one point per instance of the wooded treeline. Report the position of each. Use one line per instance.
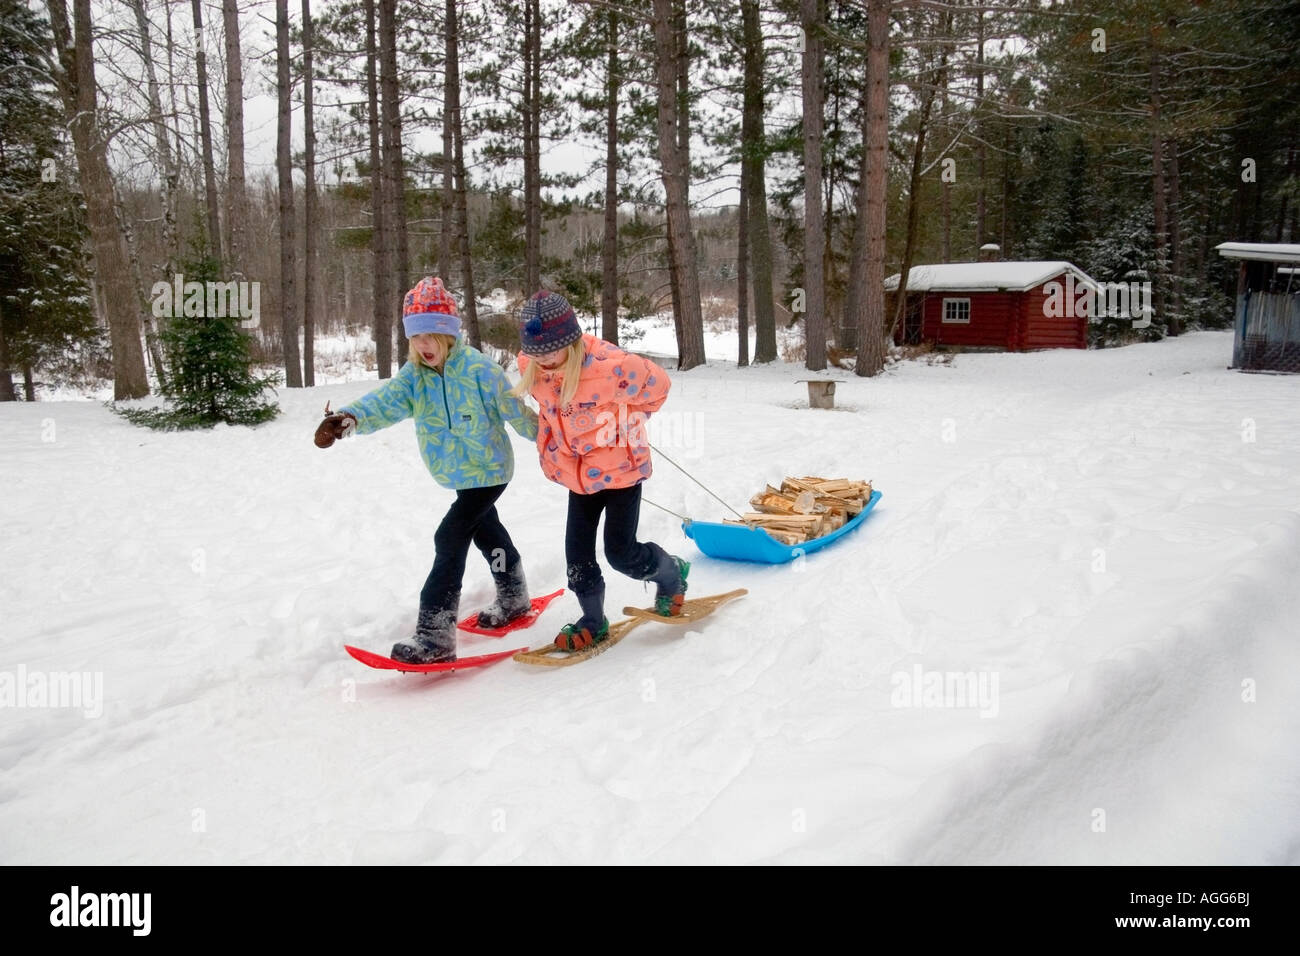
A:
(635, 155)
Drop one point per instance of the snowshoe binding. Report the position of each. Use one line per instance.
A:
(434, 640)
(671, 586)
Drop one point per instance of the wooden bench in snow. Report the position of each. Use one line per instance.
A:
(821, 392)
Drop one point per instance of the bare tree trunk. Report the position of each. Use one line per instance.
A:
(75, 75)
(29, 384)
(609, 252)
(1006, 191)
(1157, 181)
(446, 229)
(909, 241)
(979, 140)
(162, 146)
(284, 169)
(1284, 208)
(945, 131)
(169, 175)
(152, 343)
(676, 179)
(7, 393)
(123, 223)
(394, 167)
(190, 145)
(856, 293)
(308, 206)
(532, 144)
(832, 302)
(677, 15)
(913, 204)
(535, 132)
(383, 295)
(675, 288)
(469, 314)
(236, 185)
(1208, 217)
(870, 308)
(1176, 256)
(205, 134)
(929, 82)
(682, 59)
(447, 226)
(814, 240)
(754, 147)
(1286, 215)
(172, 85)
(742, 269)
(348, 284)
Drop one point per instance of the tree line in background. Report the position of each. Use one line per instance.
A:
(784, 155)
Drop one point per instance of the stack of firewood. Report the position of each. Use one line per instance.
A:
(806, 508)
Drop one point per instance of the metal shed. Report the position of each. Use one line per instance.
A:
(1266, 319)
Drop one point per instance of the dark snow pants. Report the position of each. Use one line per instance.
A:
(472, 517)
(622, 510)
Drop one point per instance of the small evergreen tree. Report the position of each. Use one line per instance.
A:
(211, 378)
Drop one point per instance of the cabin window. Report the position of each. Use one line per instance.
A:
(956, 311)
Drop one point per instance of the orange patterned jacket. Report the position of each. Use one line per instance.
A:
(598, 440)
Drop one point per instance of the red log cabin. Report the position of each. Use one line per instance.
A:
(1001, 305)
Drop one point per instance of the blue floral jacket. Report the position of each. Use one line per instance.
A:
(460, 417)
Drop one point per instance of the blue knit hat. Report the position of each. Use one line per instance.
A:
(547, 324)
(430, 308)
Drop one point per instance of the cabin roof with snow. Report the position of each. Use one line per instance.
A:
(1264, 251)
(985, 276)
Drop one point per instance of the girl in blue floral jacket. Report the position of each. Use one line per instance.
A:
(458, 399)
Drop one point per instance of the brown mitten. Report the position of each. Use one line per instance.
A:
(334, 427)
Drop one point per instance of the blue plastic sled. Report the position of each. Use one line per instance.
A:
(738, 543)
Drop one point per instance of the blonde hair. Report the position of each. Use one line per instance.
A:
(570, 371)
(412, 353)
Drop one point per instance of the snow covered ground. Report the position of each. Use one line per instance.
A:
(1066, 635)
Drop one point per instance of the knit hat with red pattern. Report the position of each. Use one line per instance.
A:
(547, 324)
(430, 308)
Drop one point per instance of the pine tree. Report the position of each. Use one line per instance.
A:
(211, 378)
(45, 310)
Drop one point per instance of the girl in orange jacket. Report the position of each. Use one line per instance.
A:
(593, 399)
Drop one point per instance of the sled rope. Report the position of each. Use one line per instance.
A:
(662, 508)
(697, 481)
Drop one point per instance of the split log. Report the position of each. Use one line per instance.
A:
(805, 508)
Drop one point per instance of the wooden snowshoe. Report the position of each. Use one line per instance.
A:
(693, 610)
(549, 655)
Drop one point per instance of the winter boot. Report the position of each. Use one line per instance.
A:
(512, 599)
(670, 584)
(434, 641)
(591, 628)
